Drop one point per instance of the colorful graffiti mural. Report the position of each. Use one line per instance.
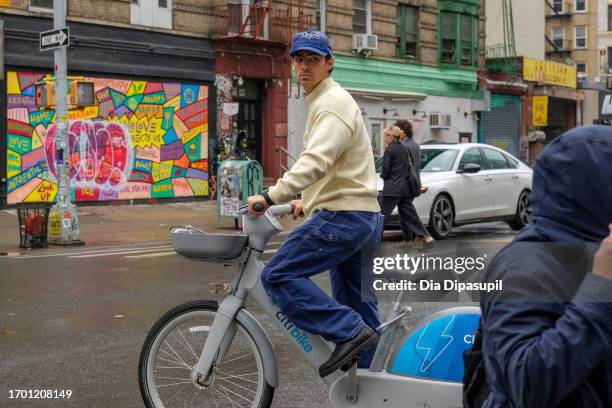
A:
(141, 140)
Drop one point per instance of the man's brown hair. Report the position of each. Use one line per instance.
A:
(405, 126)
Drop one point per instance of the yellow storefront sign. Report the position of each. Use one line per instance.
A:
(5, 3)
(549, 72)
(539, 111)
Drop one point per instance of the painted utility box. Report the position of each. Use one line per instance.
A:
(237, 180)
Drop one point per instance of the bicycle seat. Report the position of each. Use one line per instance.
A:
(194, 243)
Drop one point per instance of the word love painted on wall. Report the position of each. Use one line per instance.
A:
(140, 140)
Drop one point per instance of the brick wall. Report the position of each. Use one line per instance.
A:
(111, 11)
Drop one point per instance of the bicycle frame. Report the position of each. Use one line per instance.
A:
(248, 282)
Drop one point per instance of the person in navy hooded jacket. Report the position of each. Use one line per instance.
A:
(547, 337)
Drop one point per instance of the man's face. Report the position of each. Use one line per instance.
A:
(311, 69)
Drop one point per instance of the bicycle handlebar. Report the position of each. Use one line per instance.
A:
(284, 209)
(276, 210)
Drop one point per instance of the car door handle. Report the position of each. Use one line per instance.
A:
(488, 178)
(514, 177)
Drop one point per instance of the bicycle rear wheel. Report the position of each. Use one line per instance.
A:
(173, 347)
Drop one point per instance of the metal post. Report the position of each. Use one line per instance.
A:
(63, 211)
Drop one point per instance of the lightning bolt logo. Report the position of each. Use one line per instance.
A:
(425, 365)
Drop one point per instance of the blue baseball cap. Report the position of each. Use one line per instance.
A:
(311, 40)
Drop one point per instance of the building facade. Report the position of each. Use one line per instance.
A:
(604, 46)
(572, 38)
(410, 59)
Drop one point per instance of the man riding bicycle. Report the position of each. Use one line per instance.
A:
(337, 178)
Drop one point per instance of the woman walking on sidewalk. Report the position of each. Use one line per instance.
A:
(395, 190)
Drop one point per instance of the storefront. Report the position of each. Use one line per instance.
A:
(145, 137)
(251, 80)
(501, 125)
(552, 105)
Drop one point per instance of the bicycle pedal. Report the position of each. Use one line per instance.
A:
(347, 366)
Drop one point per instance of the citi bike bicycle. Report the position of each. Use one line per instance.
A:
(204, 354)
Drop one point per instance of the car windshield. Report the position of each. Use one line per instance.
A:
(433, 160)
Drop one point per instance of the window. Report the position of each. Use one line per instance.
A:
(609, 60)
(151, 13)
(558, 34)
(496, 159)
(407, 31)
(448, 32)
(580, 6)
(320, 15)
(234, 17)
(580, 37)
(375, 140)
(433, 160)
(472, 156)
(558, 6)
(467, 39)
(361, 17)
(609, 17)
(512, 162)
(581, 69)
(41, 4)
(458, 38)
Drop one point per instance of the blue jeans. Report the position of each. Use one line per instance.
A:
(342, 242)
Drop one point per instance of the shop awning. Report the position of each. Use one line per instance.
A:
(558, 92)
(381, 93)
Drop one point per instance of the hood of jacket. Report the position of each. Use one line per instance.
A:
(571, 193)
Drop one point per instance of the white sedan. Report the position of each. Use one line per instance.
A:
(469, 183)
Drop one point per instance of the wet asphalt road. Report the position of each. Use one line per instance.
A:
(75, 319)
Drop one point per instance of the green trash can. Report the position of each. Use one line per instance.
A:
(236, 181)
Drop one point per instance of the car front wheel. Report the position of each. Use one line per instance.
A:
(441, 217)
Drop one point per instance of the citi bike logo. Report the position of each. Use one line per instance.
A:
(299, 336)
(469, 338)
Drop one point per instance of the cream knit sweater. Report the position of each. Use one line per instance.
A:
(336, 170)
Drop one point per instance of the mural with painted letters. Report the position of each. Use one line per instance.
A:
(141, 140)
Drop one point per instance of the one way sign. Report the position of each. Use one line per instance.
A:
(54, 39)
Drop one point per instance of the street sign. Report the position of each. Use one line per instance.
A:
(50, 40)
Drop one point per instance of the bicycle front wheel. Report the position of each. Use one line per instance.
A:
(173, 347)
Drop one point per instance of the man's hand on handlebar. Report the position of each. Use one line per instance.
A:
(262, 205)
(298, 208)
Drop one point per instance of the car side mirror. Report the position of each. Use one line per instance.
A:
(469, 168)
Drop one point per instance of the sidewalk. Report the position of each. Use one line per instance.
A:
(126, 224)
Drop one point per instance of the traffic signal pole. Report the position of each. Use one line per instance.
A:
(63, 211)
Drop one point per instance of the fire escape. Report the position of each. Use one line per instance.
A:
(260, 22)
(502, 58)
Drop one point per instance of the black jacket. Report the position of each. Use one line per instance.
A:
(547, 338)
(394, 170)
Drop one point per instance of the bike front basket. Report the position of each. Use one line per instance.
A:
(194, 243)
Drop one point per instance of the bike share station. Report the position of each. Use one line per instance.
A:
(423, 369)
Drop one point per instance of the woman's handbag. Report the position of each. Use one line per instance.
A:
(414, 184)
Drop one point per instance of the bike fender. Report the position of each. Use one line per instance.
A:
(263, 343)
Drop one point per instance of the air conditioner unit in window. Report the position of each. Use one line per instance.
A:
(365, 42)
(439, 120)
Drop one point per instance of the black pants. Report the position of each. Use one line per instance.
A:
(410, 222)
